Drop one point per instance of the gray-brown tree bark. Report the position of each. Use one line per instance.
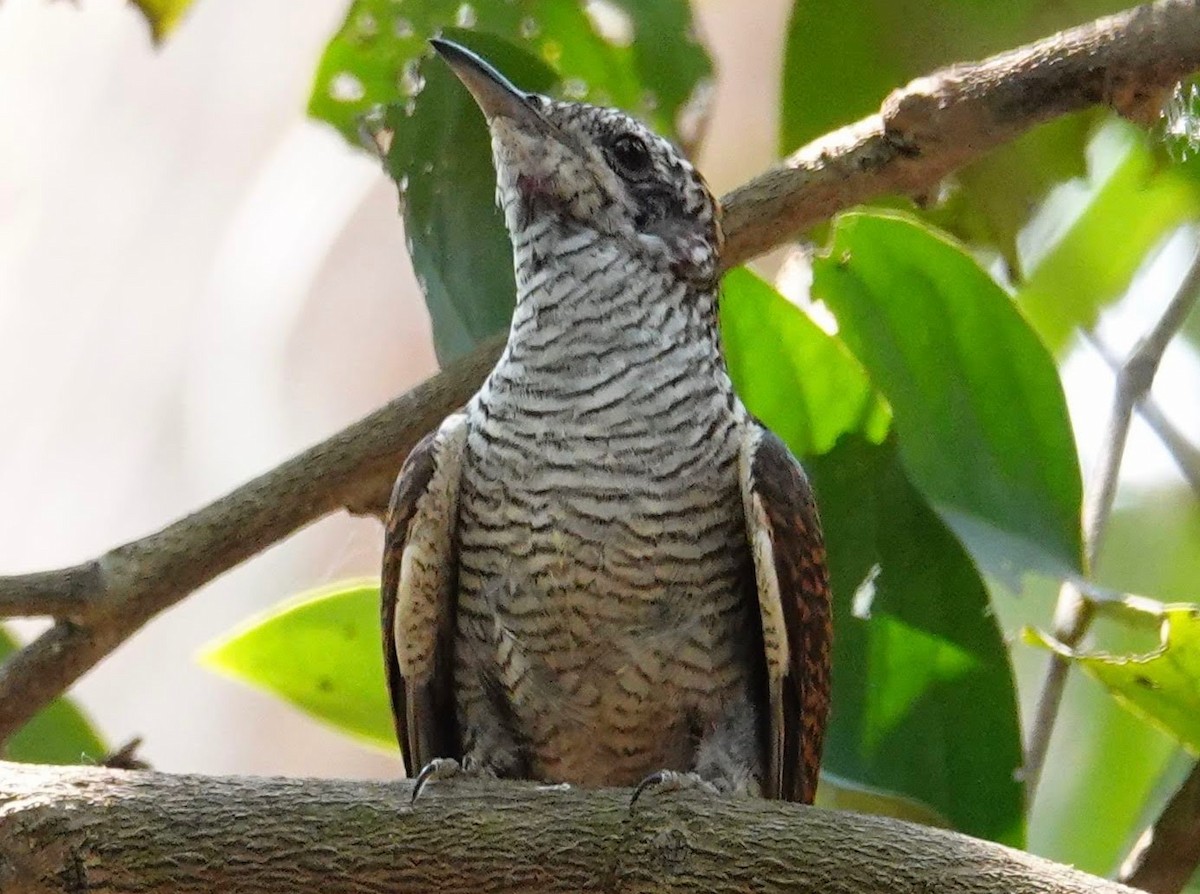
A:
(94, 830)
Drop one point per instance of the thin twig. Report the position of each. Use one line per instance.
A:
(1185, 454)
(922, 132)
(1073, 613)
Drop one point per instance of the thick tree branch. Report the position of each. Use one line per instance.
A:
(923, 131)
(90, 829)
(938, 123)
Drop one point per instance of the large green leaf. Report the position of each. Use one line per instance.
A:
(873, 48)
(923, 695)
(979, 410)
(787, 371)
(58, 734)
(321, 652)
(637, 54)
(1082, 251)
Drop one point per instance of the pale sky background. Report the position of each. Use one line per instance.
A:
(197, 282)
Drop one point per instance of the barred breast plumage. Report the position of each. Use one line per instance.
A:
(603, 558)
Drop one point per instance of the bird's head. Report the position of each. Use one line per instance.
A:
(583, 166)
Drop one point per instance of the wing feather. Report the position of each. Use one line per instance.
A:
(417, 593)
(792, 583)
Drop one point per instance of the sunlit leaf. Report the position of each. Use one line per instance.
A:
(1082, 250)
(923, 694)
(320, 652)
(800, 381)
(978, 407)
(1162, 686)
(162, 15)
(58, 734)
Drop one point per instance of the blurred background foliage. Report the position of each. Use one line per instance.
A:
(913, 354)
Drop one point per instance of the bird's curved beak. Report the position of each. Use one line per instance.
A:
(493, 92)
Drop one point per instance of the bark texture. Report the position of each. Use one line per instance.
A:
(73, 830)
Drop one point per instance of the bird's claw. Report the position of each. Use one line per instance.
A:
(438, 768)
(671, 781)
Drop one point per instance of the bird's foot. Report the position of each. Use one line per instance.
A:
(671, 781)
(440, 768)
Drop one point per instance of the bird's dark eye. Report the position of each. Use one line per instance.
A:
(630, 154)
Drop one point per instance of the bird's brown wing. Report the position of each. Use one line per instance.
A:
(417, 592)
(792, 582)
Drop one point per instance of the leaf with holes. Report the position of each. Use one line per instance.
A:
(1161, 686)
(641, 56)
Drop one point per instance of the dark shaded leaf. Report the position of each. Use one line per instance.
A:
(441, 157)
(641, 56)
(923, 696)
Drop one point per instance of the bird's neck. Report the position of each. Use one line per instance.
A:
(587, 301)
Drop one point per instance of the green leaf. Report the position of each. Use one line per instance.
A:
(640, 55)
(874, 49)
(979, 410)
(1163, 685)
(58, 734)
(803, 383)
(440, 156)
(923, 694)
(1087, 243)
(162, 15)
(320, 652)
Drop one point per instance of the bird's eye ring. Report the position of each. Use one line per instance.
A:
(630, 154)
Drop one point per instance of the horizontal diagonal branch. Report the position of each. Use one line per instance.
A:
(99, 829)
(922, 132)
(110, 598)
(940, 122)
